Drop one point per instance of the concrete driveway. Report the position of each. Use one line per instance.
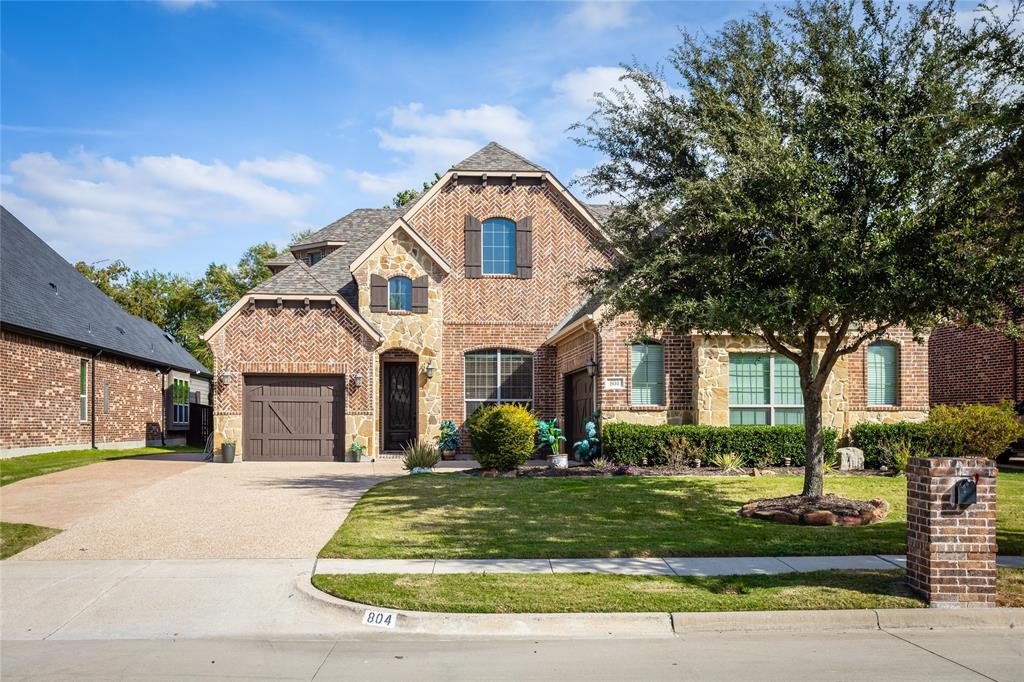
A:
(142, 508)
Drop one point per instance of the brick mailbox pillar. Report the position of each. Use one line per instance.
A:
(951, 547)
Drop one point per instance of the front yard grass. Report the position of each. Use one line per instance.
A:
(19, 468)
(592, 593)
(453, 516)
(15, 537)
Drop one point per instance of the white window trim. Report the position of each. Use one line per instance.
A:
(771, 406)
(498, 401)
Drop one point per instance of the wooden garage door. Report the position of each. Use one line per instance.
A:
(294, 417)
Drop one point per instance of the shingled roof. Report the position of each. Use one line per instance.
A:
(494, 157)
(46, 295)
(361, 225)
(297, 278)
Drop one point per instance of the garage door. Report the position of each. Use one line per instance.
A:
(294, 417)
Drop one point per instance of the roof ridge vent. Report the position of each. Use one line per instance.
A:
(120, 328)
(168, 336)
(53, 286)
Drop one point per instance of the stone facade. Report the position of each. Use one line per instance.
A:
(951, 548)
(39, 410)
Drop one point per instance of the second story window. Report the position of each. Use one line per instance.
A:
(499, 247)
(400, 293)
(314, 257)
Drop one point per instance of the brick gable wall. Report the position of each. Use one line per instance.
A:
(974, 365)
(40, 397)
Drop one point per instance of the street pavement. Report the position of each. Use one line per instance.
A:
(791, 657)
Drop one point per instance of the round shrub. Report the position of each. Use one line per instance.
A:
(502, 436)
(973, 430)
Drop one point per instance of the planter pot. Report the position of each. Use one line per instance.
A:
(227, 451)
(448, 455)
(558, 461)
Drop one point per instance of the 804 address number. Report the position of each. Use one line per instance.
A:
(380, 619)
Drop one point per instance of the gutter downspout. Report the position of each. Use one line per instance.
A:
(92, 398)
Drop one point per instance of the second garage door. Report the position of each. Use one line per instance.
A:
(294, 418)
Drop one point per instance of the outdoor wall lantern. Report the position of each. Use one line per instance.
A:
(591, 368)
(357, 380)
(225, 378)
(429, 369)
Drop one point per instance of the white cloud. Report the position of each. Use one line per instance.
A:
(183, 5)
(576, 89)
(90, 206)
(600, 16)
(428, 142)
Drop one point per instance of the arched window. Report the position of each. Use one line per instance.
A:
(648, 373)
(883, 373)
(399, 293)
(498, 376)
(499, 247)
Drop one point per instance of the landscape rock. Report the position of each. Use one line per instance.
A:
(819, 518)
(851, 459)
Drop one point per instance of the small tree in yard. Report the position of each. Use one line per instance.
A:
(816, 177)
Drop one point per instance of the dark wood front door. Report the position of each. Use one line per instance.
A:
(579, 405)
(399, 409)
(294, 417)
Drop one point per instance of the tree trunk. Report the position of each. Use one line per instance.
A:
(814, 443)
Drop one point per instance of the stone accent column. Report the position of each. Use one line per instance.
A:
(951, 549)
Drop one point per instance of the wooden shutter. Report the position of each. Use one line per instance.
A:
(378, 294)
(524, 248)
(419, 294)
(473, 247)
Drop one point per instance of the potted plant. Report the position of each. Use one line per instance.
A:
(549, 437)
(587, 449)
(359, 452)
(227, 451)
(449, 440)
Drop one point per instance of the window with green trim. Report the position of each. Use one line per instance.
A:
(764, 389)
(648, 374)
(83, 386)
(883, 373)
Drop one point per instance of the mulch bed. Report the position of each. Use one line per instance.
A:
(531, 471)
(830, 510)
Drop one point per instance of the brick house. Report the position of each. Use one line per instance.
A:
(387, 321)
(78, 371)
(974, 365)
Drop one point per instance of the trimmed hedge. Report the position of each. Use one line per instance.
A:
(872, 437)
(641, 444)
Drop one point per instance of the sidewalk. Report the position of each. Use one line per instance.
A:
(691, 566)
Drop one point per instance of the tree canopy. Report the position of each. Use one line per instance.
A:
(815, 176)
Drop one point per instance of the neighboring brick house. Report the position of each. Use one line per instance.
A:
(974, 365)
(387, 321)
(77, 370)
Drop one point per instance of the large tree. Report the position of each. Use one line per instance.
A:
(815, 177)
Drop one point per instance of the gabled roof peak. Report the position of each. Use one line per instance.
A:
(495, 157)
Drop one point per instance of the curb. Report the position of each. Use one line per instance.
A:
(663, 625)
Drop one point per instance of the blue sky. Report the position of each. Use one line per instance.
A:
(174, 134)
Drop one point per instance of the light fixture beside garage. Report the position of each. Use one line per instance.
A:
(225, 377)
(429, 369)
(357, 380)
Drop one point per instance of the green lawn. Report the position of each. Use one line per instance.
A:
(453, 516)
(526, 593)
(15, 537)
(19, 468)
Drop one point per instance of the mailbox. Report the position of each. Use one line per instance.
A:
(965, 491)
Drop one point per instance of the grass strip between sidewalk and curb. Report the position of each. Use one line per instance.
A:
(17, 537)
(594, 593)
(14, 469)
(454, 516)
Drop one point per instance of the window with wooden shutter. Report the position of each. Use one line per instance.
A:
(524, 247)
(378, 294)
(473, 247)
(420, 294)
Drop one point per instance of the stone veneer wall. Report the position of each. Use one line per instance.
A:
(844, 400)
(417, 333)
(39, 409)
(263, 339)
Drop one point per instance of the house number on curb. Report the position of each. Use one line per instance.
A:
(379, 619)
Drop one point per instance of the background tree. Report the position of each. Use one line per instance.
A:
(815, 177)
(407, 196)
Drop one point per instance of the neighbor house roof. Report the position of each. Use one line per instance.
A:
(46, 295)
(494, 157)
(601, 212)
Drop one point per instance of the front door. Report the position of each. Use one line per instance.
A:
(579, 405)
(399, 407)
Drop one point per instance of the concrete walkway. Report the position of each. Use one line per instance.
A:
(689, 566)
